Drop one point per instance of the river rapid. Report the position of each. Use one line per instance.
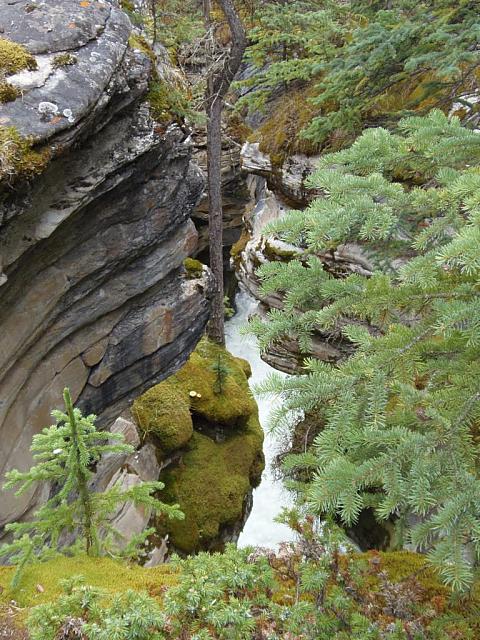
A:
(270, 496)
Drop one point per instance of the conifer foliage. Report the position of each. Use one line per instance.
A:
(364, 62)
(402, 413)
(74, 516)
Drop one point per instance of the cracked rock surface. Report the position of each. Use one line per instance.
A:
(93, 294)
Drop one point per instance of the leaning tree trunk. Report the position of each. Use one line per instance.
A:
(218, 85)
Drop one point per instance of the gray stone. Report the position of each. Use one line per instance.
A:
(93, 294)
(287, 180)
(128, 430)
(144, 463)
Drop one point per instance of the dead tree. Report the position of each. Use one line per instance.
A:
(218, 84)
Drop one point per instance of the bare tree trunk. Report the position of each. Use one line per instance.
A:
(153, 9)
(218, 85)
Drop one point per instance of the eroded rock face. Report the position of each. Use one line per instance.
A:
(261, 248)
(235, 195)
(93, 293)
(288, 180)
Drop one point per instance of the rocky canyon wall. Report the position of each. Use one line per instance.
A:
(93, 293)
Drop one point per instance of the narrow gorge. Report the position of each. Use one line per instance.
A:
(239, 320)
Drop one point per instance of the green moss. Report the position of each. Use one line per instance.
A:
(8, 93)
(113, 576)
(231, 408)
(17, 157)
(193, 385)
(127, 5)
(14, 58)
(138, 42)
(404, 566)
(64, 60)
(194, 268)
(163, 413)
(169, 101)
(211, 484)
(280, 134)
(214, 477)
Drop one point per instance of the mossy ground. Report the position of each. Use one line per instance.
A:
(386, 587)
(455, 617)
(41, 581)
(279, 136)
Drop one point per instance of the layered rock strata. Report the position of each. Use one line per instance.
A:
(258, 248)
(93, 291)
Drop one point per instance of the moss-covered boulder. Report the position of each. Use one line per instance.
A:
(163, 410)
(216, 423)
(211, 485)
(163, 415)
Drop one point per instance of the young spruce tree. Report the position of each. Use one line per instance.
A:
(64, 454)
(401, 415)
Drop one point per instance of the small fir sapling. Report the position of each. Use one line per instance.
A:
(221, 372)
(64, 455)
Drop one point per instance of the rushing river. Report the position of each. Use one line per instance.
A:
(269, 498)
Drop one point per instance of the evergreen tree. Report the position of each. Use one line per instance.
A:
(65, 454)
(221, 371)
(402, 413)
(365, 62)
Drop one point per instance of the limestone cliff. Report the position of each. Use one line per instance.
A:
(92, 288)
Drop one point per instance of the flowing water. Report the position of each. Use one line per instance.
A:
(270, 496)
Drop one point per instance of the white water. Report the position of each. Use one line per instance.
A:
(270, 496)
